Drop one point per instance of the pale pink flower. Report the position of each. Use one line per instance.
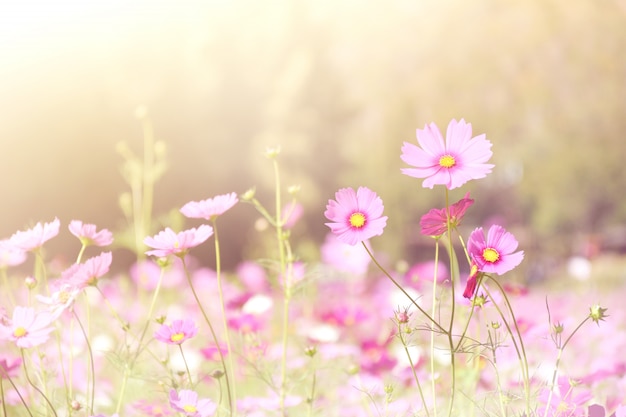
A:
(27, 328)
(34, 238)
(9, 366)
(425, 272)
(344, 257)
(291, 213)
(61, 299)
(151, 409)
(355, 216)
(177, 332)
(167, 242)
(496, 253)
(88, 235)
(210, 208)
(10, 255)
(87, 273)
(435, 222)
(460, 159)
(212, 352)
(187, 402)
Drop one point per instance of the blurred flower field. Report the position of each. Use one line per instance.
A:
(350, 331)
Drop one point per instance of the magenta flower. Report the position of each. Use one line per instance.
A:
(177, 332)
(210, 208)
(356, 216)
(434, 223)
(167, 242)
(186, 402)
(460, 159)
(88, 235)
(34, 238)
(494, 255)
(27, 327)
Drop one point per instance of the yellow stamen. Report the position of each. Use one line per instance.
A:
(177, 337)
(357, 220)
(20, 332)
(447, 161)
(491, 255)
(190, 408)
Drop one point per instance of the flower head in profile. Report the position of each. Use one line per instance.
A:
(177, 332)
(27, 328)
(355, 216)
(210, 208)
(186, 401)
(87, 273)
(9, 366)
(451, 163)
(88, 235)
(495, 254)
(32, 239)
(167, 242)
(435, 222)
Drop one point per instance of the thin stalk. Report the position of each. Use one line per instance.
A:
(223, 307)
(180, 347)
(384, 271)
(35, 387)
(213, 334)
(5, 374)
(433, 386)
(91, 364)
(453, 307)
(417, 381)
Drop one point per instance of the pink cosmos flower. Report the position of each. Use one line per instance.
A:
(151, 409)
(425, 272)
(472, 282)
(291, 213)
(344, 257)
(61, 299)
(9, 366)
(27, 328)
(460, 159)
(177, 332)
(167, 242)
(434, 223)
(212, 352)
(494, 255)
(34, 238)
(210, 208)
(186, 402)
(10, 255)
(87, 273)
(355, 216)
(87, 234)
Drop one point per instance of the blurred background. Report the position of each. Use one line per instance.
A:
(339, 85)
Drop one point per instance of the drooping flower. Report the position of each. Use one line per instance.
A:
(167, 242)
(177, 332)
(31, 239)
(472, 282)
(435, 222)
(88, 235)
(355, 216)
(460, 159)
(210, 208)
(496, 253)
(27, 327)
(186, 402)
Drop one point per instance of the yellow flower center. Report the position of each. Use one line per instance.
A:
(177, 337)
(447, 161)
(491, 255)
(190, 408)
(357, 220)
(19, 332)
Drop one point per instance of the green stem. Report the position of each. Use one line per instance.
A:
(223, 307)
(213, 334)
(453, 302)
(433, 384)
(417, 381)
(5, 374)
(91, 364)
(384, 271)
(45, 397)
(80, 253)
(180, 347)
